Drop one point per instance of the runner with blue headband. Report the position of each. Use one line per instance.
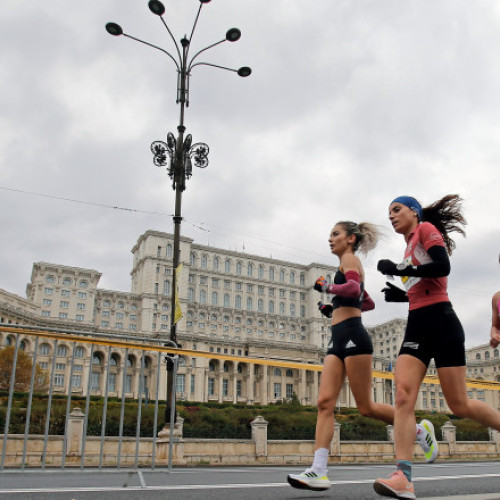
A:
(433, 330)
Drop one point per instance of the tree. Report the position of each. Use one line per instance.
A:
(24, 367)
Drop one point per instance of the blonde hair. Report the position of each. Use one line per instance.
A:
(367, 235)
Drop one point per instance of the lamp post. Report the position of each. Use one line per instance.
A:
(178, 155)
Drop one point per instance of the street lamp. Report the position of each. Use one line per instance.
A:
(178, 155)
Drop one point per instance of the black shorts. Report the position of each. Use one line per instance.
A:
(349, 338)
(435, 332)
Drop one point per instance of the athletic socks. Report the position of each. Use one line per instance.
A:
(405, 467)
(320, 461)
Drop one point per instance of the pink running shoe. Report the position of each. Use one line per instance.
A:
(396, 486)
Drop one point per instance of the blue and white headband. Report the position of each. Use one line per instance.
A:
(411, 203)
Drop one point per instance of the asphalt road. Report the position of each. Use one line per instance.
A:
(456, 481)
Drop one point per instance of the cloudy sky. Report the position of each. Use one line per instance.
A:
(350, 103)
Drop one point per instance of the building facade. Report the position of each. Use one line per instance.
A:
(233, 304)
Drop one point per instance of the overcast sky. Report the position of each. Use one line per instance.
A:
(350, 103)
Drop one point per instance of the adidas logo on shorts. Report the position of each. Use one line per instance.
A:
(350, 345)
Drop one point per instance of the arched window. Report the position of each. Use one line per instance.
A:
(204, 261)
(277, 372)
(211, 366)
(44, 350)
(215, 299)
(227, 266)
(271, 274)
(289, 373)
(302, 280)
(261, 272)
(478, 356)
(292, 278)
(166, 287)
(250, 269)
(249, 304)
(190, 294)
(216, 264)
(238, 268)
(226, 300)
(192, 259)
(282, 308)
(130, 361)
(169, 251)
(62, 351)
(97, 358)
(203, 297)
(292, 310)
(271, 307)
(487, 355)
(260, 305)
(282, 276)
(237, 302)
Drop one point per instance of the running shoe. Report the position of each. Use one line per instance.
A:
(309, 480)
(395, 486)
(427, 440)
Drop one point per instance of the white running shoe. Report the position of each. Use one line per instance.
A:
(427, 440)
(309, 480)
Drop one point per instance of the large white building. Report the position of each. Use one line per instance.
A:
(233, 304)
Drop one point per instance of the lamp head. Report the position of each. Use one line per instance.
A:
(204, 1)
(114, 29)
(156, 7)
(233, 35)
(244, 71)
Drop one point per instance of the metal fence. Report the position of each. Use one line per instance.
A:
(44, 446)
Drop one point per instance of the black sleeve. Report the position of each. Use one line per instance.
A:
(440, 265)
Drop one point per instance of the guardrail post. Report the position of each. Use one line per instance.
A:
(75, 432)
(390, 433)
(335, 444)
(163, 445)
(450, 436)
(259, 435)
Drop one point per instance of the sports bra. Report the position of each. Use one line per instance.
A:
(338, 301)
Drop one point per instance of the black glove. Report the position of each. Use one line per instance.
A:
(386, 266)
(394, 294)
(325, 309)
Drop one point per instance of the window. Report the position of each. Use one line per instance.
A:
(63, 315)
(59, 379)
(192, 259)
(50, 279)
(227, 266)
(79, 352)
(215, 298)
(302, 280)
(211, 386)
(83, 284)
(190, 294)
(47, 302)
(204, 261)
(203, 297)
(292, 310)
(67, 281)
(169, 251)
(260, 305)
(80, 306)
(292, 278)
(282, 276)
(181, 383)
(261, 272)
(106, 303)
(271, 274)
(271, 307)
(225, 385)
(289, 373)
(277, 391)
(44, 350)
(282, 308)
(226, 300)
(112, 382)
(65, 293)
(82, 295)
(166, 287)
(76, 381)
(277, 372)
(62, 351)
(64, 304)
(193, 378)
(289, 391)
(79, 317)
(238, 268)
(128, 383)
(250, 269)
(48, 291)
(216, 267)
(237, 302)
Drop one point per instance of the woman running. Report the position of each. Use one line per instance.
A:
(433, 329)
(350, 352)
(495, 318)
